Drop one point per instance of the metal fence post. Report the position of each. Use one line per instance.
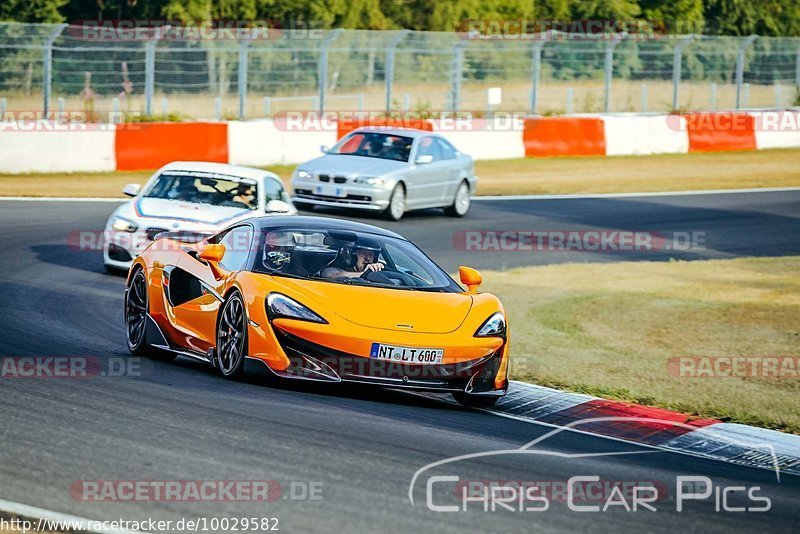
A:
(389, 70)
(48, 66)
(740, 68)
(242, 82)
(797, 69)
(150, 69)
(322, 68)
(456, 75)
(676, 68)
(536, 71)
(609, 68)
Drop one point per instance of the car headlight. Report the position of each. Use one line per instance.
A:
(303, 175)
(124, 225)
(494, 326)
(279, 305)
(370, 180)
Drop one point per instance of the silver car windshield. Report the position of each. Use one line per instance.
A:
(204, 188)
(374, 145)
(347, 257)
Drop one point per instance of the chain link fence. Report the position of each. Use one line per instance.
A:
(45, 67)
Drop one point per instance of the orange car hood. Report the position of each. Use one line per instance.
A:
(392, 309)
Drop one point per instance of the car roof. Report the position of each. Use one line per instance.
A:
(219, 168)
(405, 132)
(301, 222)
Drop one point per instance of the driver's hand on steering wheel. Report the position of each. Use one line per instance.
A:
(374, 267)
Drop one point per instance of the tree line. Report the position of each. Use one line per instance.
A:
(713, 17)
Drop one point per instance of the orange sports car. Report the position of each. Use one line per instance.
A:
(320, 299)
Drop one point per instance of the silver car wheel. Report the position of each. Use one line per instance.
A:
(462, 201)
(397, 204)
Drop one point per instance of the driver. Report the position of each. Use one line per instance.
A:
(356, 259)
(245, 194)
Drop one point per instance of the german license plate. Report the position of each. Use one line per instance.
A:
(331, 191)
(395, 353)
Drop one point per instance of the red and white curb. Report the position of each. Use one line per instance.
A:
(652, 427)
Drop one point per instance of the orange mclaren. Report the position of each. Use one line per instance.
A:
(318, 299)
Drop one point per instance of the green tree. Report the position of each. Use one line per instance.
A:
(32, 10)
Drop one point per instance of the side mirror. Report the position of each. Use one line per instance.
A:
(211, 252)
(277, 206)
(470, 278)
(424, 159)
(131, 189)
(324, 149)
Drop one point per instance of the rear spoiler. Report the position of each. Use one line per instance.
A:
(183, 236)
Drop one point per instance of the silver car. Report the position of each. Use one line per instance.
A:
(389, 171)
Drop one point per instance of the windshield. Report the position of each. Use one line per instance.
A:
(347, 257)
(375, 145)
(204, 188)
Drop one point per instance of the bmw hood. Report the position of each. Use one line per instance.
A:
(390, 309)
(183, 215)
(352, 165)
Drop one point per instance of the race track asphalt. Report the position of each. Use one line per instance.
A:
(179, 421)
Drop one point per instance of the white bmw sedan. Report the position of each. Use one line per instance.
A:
(195, 197)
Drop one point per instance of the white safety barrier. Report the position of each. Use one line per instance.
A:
(261, 143)
(636, 135)
(45, 150)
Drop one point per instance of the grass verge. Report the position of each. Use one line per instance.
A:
(610, 329)
(619, 174)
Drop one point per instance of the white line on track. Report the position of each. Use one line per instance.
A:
(493, 198)
(34, 513)
(646, 194)
(62, 199)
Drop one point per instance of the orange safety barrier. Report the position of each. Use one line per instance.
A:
(564, 136)
(345, 126)
(715, 131)
(150, 145)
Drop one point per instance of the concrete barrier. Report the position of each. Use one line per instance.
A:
(564, 136)
(637, 135)
(44, 150)
(271, 142)
(151, 145)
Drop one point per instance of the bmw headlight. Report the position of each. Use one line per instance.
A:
(124, 225)
(494, 326)
(279, 305)
(303, 175)
(370, 180)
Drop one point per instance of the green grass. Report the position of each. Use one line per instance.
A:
(610, 329)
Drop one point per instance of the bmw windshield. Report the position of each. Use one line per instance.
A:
(375, 145)
(347, 257)
(204, 188)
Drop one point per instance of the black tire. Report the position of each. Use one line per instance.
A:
(305, 206)
(137, 306)
(460, 205)
(397, 204)
(475, 401)
(232, 343)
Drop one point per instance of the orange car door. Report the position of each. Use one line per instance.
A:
(197, 293)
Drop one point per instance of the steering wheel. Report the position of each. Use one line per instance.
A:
(387, 277)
